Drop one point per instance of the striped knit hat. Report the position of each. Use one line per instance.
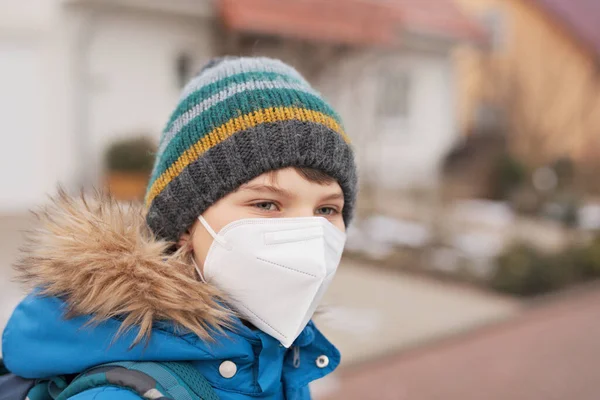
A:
(239, 118)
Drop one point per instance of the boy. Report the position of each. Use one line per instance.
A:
(253, 186)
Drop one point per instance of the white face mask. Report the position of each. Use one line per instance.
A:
(275, 270)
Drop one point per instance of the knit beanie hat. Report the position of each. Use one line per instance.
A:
(239, 118)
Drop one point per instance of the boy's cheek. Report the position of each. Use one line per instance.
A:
(338, 222)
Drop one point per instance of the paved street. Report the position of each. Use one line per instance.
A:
(551, 352)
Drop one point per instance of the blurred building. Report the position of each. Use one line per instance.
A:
(385, 65)
(539, 78)
(75, 75)
(78, 74)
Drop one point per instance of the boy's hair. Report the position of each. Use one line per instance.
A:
(311, 175)
(237, 119)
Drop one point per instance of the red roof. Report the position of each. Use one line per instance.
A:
(343, 21)
(581, 17)
(438, 18)
(379, 22)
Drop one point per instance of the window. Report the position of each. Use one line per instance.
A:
(394, 95)
(184, 69)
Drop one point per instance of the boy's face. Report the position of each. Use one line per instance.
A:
(282, 193)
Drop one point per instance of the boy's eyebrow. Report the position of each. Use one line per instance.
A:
(269, 188)
(334, 196)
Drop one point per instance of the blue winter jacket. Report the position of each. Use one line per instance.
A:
(86, 263)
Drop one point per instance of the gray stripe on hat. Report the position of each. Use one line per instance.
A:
(223, 95)
(237, 66)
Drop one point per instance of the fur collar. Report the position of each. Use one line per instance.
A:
(101, 258)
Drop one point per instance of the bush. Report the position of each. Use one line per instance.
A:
(565, 171)
(525, 271)
(508, 174)
(587, 260)
(131, 155)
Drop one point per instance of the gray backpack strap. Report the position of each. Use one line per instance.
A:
(13, 387)
(150, 380)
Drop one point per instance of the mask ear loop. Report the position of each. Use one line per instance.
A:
(220, 240)
(198, 270)
(215, 236)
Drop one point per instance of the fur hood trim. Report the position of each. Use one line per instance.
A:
(101, 258)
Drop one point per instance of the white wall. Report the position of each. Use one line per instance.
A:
(412, 150)
(402, 153)
(73, 79)
(32, 98)
(23, 117)
(33, 15)
(133, 84)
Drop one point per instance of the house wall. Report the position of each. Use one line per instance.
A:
(134, 84)
(550, 80)
(33, 100)
(399, 152)
(23, 116)
(75, 78)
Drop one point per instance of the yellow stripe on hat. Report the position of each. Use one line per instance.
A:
(231, 127)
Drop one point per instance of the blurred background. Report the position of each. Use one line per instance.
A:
(470, 269)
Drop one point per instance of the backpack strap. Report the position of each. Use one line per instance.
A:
(13, 387)
(150, 380)
(3, 369)
(190, 377)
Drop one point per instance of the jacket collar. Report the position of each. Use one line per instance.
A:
(38, 342)
(101, 258)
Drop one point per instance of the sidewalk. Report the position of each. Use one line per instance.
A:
(371, 312)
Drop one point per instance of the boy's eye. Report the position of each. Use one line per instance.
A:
(326, 211)
(266, 206)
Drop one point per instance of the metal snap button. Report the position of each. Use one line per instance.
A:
(322, 361)
(227, 369)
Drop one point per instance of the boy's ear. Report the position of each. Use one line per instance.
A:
(184, 240)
